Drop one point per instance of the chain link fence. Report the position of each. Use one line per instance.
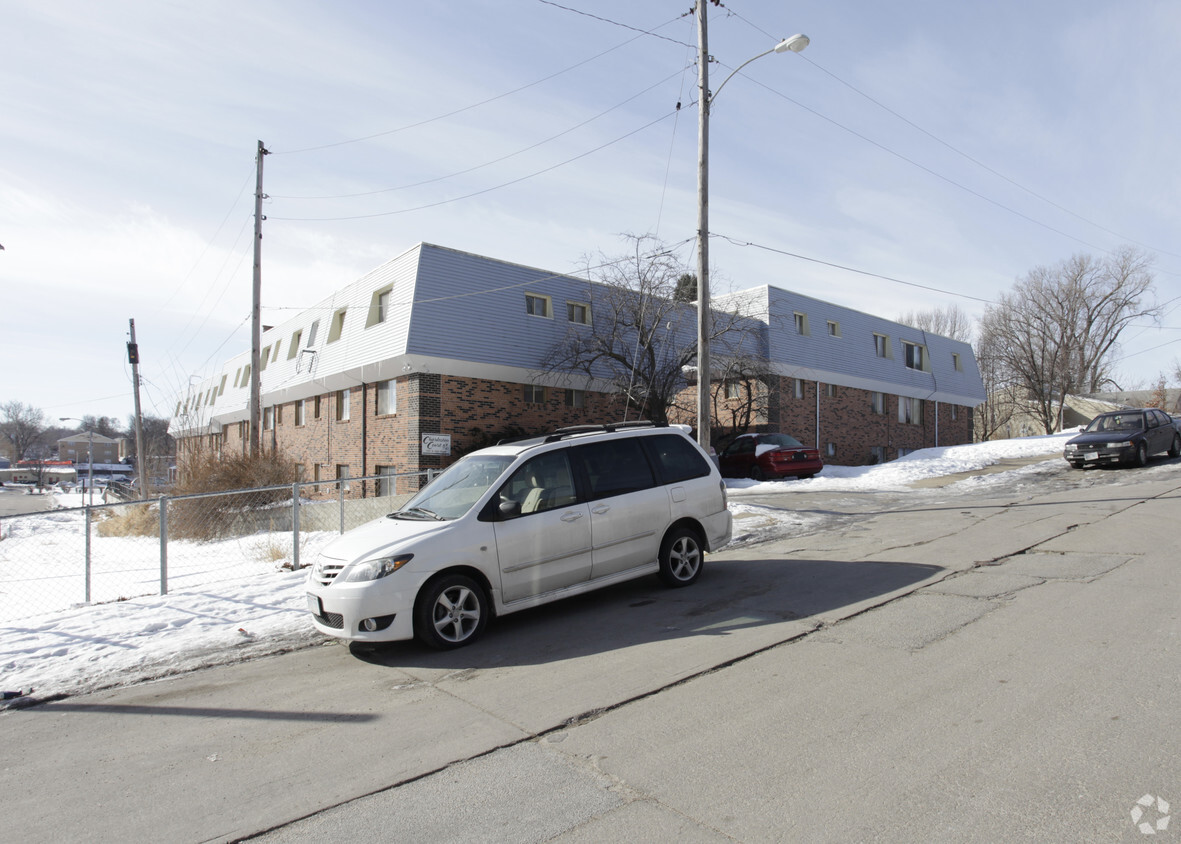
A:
(107, 552)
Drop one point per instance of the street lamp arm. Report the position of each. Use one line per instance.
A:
(795, 44)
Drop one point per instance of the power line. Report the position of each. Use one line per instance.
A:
(485, 190)
(462, 109)
(736, 242)
(495, 160)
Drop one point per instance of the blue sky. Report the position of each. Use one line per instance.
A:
(947, 145)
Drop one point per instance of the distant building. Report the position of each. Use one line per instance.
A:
(433, 352)
(78, 448)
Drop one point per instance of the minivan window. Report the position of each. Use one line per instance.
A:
(614, 467)
(541, 483)
(678, 459)
(455, 491)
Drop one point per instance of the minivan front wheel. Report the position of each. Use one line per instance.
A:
(451, 612)
(681, 557)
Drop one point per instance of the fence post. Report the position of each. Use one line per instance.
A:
(295, 526)
(87, 512)
(340, 488)
(163, 545)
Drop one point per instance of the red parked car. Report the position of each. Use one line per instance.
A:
(769, 456)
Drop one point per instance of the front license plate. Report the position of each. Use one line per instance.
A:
(1094, 455)
(314, 605)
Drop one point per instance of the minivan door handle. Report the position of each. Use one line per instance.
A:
(571, 516)
(601, 509)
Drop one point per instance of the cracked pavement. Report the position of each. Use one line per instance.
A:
(975, 662)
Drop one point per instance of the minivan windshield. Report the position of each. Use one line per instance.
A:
(455, 491)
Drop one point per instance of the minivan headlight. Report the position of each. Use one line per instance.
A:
(375, 569)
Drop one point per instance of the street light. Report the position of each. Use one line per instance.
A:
(89, 455)
(795, 44)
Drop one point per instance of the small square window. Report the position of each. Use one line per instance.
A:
(956, 363)
(878, 403)
(534, 394)
(834, 329)
(914, 355)
(578, 312)
(312, 333)
(537, 305)
(801, 322)
(575, 398)
(293, 346)
(881, 345)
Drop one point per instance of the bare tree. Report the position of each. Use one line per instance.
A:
(951, 321)
(1057, 331)
(641, 339)
(22, 425)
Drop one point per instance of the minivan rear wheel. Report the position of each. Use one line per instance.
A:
(681, 557)
(451, 612)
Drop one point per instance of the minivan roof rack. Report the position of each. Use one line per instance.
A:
(573, 430)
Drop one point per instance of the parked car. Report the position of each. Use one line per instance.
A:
(522, 524)
(769, 456)
(1125, 437)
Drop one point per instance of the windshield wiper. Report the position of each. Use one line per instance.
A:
(417, 513)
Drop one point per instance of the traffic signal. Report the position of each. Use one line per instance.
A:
(132, 353)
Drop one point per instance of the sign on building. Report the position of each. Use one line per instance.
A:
(436, 444)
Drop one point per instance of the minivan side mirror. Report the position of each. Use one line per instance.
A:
(509, 509)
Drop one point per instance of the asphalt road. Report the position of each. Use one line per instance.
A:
(997, 663)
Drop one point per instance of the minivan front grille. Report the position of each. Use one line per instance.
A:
(326, 571)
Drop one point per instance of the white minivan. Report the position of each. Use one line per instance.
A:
(522, 524)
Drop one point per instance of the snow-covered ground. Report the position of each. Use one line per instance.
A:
(209, 618)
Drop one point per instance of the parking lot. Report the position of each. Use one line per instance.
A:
(988, 665)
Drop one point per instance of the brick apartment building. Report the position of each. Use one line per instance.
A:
(437, 351)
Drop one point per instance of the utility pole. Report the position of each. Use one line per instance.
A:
(703, 306)
(141, 463)
(256, 314)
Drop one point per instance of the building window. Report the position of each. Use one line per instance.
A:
(300, 410)
(337, 327)
(575, 398)
(264, 359)
(878, 403)
(293, 346)
(268, 418)
(956, 363)
(910, 411)
(955, 412)
(534, 394)
(316, 408)
(316, 474)
(386, 484)
(914, 355)
(537, 305)
(342, 406)
(830, 390)
(798, 388)
(830, 450)
(801, 323)
(387, 398)
(834, 329)
(221, 389)
(379, 307)
(312, 333)
(342, 476)
(877, 454)
(733, 390)
(881, 345)
(578, 312)
(278, 414)
(242, 431)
